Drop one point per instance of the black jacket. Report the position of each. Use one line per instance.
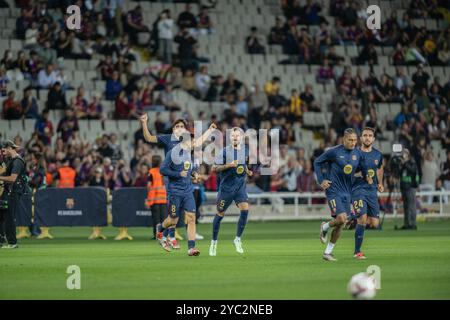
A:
(409, 175)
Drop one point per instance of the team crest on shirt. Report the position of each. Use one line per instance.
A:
(187, 165)
(376, 161)
(348, 169)
(371, 173)
(240, 169)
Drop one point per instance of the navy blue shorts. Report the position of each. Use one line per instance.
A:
(224, 199)
(340, 203)
(177, 204)
(366, 203)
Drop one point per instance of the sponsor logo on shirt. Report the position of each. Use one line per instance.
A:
(240, 169)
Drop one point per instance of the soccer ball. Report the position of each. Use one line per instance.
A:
(362, 286)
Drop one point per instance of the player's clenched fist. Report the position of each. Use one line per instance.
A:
(325, 184)
(380, 187)
(212, 126)
(233, 164)
(144, 118)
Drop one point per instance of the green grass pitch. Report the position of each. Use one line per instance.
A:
(282, 261)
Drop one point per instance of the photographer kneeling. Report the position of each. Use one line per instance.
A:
(408, 186)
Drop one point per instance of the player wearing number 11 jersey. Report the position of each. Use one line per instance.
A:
(341, 162)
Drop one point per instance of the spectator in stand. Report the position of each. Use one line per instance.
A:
(7, 61)
(29, 105)
(189, 84)
(63, 45)
(368, 55)
(24, 22)
(232, 87)
(165, 36)
(44, 128)
(67, 125)
(112, 16)
(31, 36)
(202, 81)
(278, 33)
(45, 35)
(134, 106)
(56, 98)
(106, 67)
(187, 19)
(272, 89)
(309, 99)
(430, 174)
(306, 181)
(420, 79)
(113, 87)
(142, 176)
(121, 106)
(253, 44)
(4, 80)
(258, 104)
(95, 108)
(12, 109)
(295, 106)
(47, 54)
(325, 73)
(205, 24)
(134, 24)
(167, 99)
(47, 77)
(33, 65)
(186, 45)
(98, 180)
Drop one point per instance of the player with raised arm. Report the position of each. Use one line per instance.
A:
(364, 194)
(169, 141)
(342, 162)
(178, 167)
(230, 165)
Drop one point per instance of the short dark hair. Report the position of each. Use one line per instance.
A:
(369, 129)
(349, 131)
(179, 121)
(156, 161)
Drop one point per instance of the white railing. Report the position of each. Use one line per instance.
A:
(443, 195)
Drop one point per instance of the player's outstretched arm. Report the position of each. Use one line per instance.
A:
(199, 142)
(147, 135)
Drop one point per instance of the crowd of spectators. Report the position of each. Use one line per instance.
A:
(115, 35)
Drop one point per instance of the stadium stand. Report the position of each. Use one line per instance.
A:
(396, 80)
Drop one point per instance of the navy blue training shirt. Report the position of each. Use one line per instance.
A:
(342, 164)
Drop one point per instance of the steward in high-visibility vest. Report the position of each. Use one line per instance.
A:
(66, 176)
(156, 190)
(156, 194)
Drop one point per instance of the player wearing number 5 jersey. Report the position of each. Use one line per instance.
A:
(231, 166)
(341, 163)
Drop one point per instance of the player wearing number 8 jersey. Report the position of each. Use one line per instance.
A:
(341, 163)
(364, 194)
